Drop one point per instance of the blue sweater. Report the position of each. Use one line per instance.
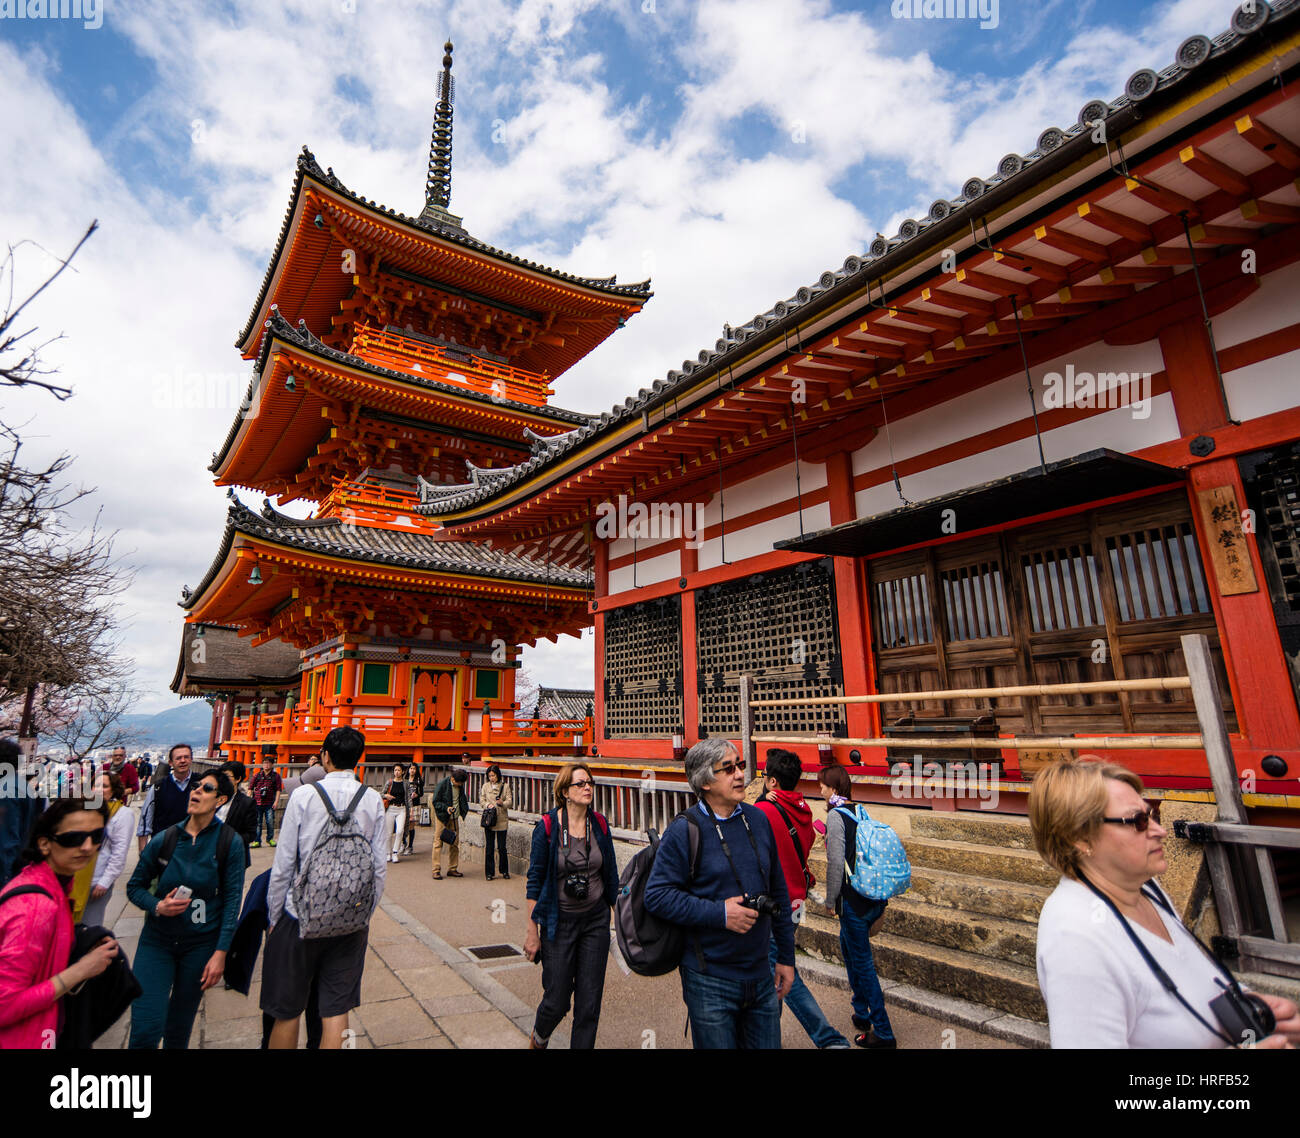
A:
(195, 864)
(700, 905)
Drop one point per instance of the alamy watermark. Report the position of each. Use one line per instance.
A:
(1109, 389)
(654, 521)
(89, 12)
(967, 780)
(985, 11)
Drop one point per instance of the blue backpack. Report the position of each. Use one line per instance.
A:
(880, 869)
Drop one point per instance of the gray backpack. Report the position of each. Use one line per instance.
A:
(335, 891)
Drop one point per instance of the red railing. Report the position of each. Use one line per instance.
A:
(389, 349)
(498, 729)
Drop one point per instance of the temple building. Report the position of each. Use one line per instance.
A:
(1044, 430)
(391, 355)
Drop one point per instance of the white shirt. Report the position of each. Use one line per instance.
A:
(112, 854)
(304, 818)
(1101, 993)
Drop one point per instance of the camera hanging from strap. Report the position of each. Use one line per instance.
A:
(1166, 981)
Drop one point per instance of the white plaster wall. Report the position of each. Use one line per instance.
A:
(1264, 387)
(1118, 430)
(759, 539)
(1268, 308)
(995, 405)
(649, 571)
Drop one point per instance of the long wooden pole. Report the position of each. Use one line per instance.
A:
(1157, 683)
(1022, 743)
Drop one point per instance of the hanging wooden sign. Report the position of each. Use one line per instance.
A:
(1227, 541)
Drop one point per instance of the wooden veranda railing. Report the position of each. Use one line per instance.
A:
(1263, 944)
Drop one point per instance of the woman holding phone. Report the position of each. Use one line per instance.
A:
(189, 881)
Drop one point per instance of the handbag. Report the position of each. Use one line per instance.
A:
(448, 836)
(488, 817)
(425, 819)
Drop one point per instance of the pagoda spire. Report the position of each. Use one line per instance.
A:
(437, 183)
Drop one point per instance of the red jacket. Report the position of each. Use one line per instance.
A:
(35, 943)
(792, 802)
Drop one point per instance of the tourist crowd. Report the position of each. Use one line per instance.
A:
(716, 898)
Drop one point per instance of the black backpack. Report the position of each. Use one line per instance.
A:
(650, 945)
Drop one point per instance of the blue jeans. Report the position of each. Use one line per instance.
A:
(267, 813)
(855, 947)
(806, 1010)
(729, 1014)
(170, 971)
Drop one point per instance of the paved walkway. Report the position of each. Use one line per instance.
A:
(423, 989)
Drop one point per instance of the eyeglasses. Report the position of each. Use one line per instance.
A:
(583, 784)
(1139, 821)
(208, 788)
(727, 768)
(71, 839)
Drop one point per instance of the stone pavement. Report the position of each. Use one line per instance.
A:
(423, 989)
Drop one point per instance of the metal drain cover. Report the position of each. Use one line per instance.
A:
(493, 951)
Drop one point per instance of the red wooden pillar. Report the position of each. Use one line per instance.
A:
(690, 564)
(852, 612)
(1252, 649)
(348, 687)
(601, 573)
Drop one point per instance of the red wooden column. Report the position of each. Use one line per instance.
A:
(601, 573)
(1252, 649)
(348, 688)
(852, 610)
(690, 563)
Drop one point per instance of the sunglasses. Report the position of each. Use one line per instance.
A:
(580, 784)
(1139, 821)
(726, 769)
(71, 839)
(208, 788)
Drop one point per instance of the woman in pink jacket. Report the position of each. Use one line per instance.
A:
(36, 925)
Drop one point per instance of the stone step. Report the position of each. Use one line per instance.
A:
(979, 933)
(1002, 984)
(948, 889)
(1004, 864)
(1004, 830)
(1288, 987)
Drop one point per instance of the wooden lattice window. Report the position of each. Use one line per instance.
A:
(781, 628)
(1097, 596)
(643, 669)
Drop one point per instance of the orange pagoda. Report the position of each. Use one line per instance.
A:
(393, 356)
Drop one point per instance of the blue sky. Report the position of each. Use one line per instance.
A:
(730, 149)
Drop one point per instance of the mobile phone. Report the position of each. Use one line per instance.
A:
(184, 892)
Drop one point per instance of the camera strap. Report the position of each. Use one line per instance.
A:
(564, 837)
(1166, 981)
(726, 849)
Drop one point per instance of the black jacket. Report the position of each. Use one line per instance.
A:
(93, 1008)
(442, 799)
(242, 818)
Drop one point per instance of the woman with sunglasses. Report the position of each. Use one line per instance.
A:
(572, 885)
(36, 930)
(108, 866)
(189, 886)
(1108, 936)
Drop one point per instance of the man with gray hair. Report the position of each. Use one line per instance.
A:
(732, 902)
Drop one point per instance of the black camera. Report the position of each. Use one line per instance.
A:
(575, 885)
(1243, 1015)
(761, 903)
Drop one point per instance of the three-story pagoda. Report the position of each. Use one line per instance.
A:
(392, 356)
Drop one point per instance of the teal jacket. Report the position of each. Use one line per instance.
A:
(194, 864)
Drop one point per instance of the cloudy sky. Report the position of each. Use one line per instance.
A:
(730, 149)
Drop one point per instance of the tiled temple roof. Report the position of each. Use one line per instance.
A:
(1014, 175)
(307, 167)
(278, 326)
(404, 549)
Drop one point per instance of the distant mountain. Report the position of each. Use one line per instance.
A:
(188, 722)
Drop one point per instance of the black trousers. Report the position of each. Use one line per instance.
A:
(497, 839)
(573, 966)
